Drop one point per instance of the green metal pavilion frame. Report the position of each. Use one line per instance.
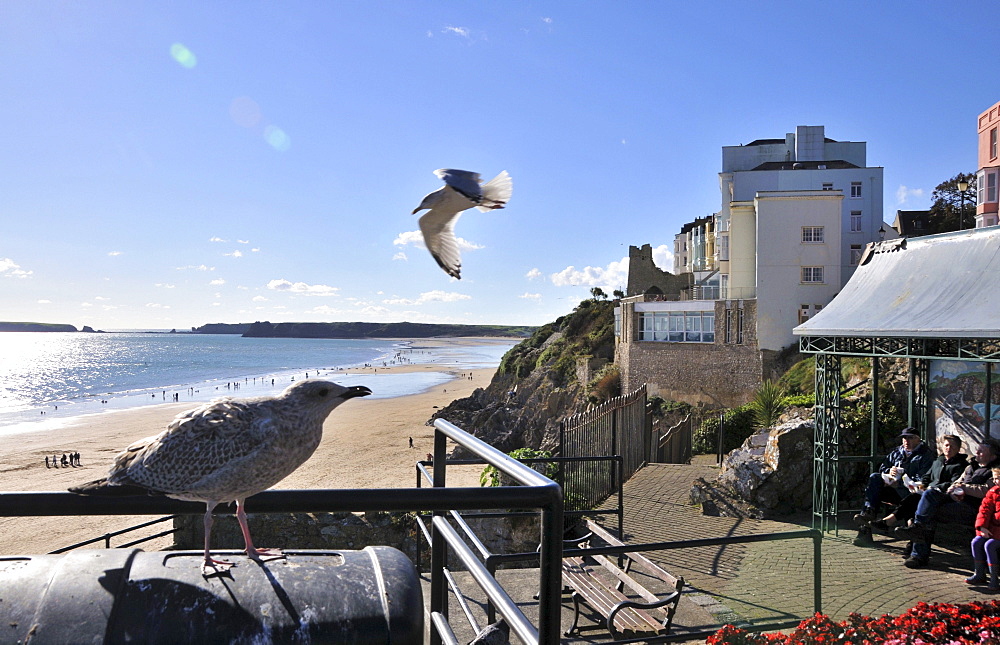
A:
(924, 300)
(918, 352)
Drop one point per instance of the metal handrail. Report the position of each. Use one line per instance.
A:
(550, 504)
(106, 538)
(535, 491)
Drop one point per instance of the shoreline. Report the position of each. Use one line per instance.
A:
(436, 359)
(365, 445)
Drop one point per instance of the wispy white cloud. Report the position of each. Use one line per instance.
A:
(243, 241)
(101, 298)
(10, 269)
(612, 276)
(44, 302)
(400, 256)
(301, 288)
(259, 299)
(156, 305)
(458, 31)
(216, 239)
(904, 194)
(534, 274)
(531, 296)
(547, 20)
(429, 296)
(234, 254)
(218, 282)
(114, 253)
(196, 267)
(164, 285)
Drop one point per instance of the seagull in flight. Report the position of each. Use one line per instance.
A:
(462, 190)
(225, 451)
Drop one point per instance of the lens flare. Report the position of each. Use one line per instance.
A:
(277, 138)
(183, 55)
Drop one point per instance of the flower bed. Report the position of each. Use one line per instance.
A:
(974, 622)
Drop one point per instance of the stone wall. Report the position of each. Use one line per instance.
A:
(643, 274)
(716, 374)
(332, 531)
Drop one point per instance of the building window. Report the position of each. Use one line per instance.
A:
(739, 326)
(855, 189)
(991, 187)
(812, 234)
(723, 241)
(812, 275)
(855, 254)
(993, 143)
(618, 322)
(827, 186)
(855, 221)
(727, 331)
(678, 326)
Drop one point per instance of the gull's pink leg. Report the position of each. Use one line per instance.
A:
(210, 565)
(241, 517)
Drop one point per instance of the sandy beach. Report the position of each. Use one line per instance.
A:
(365, 445)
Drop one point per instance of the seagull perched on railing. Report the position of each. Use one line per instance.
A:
(225, 451)
(462, 191)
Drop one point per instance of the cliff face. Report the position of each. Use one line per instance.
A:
(539, 382)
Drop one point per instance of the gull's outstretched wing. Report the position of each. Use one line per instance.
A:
(462, 181)
(438, 228)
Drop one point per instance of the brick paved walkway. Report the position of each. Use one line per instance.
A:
(772, 581)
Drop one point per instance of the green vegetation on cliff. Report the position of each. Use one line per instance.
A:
(589, 331)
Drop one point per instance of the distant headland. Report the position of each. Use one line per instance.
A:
(314, 330)
(361, 330)
(33, 326)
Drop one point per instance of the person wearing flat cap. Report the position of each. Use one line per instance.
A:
(912, 458)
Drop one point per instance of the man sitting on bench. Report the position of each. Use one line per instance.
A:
(949, 466)
(912, 458)
(958, 504)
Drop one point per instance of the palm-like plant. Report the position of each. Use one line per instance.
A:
(768, 403)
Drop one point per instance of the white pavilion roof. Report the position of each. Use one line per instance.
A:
(938, 286)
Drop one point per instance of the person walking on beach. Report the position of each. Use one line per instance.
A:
(411, 442)
(47, 460)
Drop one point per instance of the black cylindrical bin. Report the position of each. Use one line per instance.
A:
(127, 595)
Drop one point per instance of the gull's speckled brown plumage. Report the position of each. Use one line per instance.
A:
(228, 450)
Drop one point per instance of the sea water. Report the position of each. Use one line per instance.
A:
(51, 375)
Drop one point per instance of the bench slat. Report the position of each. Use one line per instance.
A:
(603, 599)
(648, 565)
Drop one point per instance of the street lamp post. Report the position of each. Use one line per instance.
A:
(962, 187)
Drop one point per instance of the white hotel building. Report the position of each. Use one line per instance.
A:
(796, 214)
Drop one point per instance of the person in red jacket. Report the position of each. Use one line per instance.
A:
(986, 544)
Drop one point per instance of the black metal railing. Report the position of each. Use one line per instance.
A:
(809, 534)
(106, 538)
(534, 491)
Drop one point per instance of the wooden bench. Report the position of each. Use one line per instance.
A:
(600, 582)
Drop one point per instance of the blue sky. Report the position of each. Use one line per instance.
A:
(166, 165)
